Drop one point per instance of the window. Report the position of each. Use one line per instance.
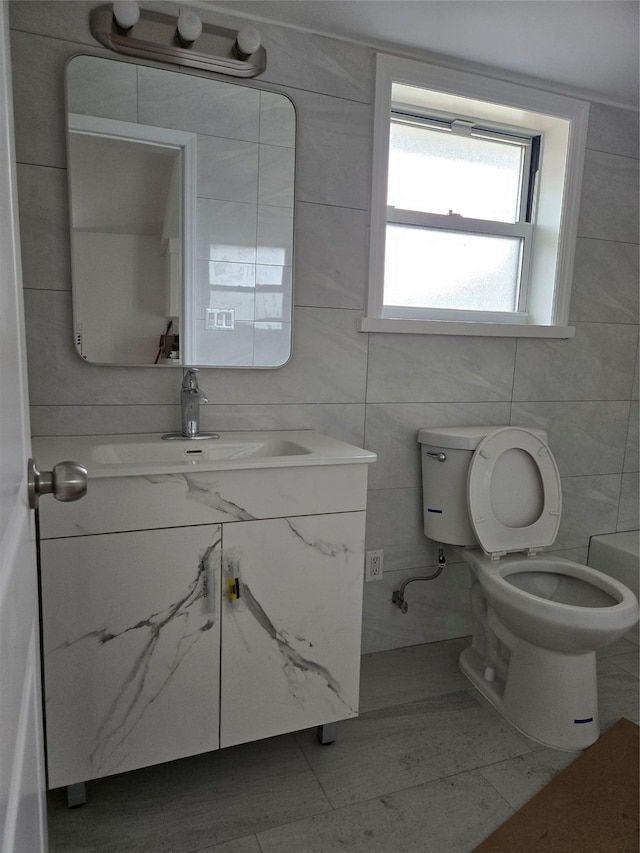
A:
(474, 204)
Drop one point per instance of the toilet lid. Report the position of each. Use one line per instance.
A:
(493, 482)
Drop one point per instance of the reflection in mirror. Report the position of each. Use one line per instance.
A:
(181, 193)
(126, 230)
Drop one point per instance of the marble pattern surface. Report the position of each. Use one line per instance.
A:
(628, 518)
(265, 795)
(595, 365)
(330, 66)
(632, 449)
(589, 507)
(394, 520)
(118, 667)
(136, 621)
(247, 788)
(92, 90)
(291, 643)
(44, 226)
(226, 230)
(411, 674)
(613, 130)
(163, 501)
(586, 437)
(342, 421)
(331, 256)
(277, 120)
(609, 205)
(277, 165)
(356, 774)
(443, 368)
(329, 364)
(336, 374)
(605, 282)
(392, 432)
(439, 609)
(227, 169)
(367, 827)
(39, 106)
(333, 151)
(198, 104)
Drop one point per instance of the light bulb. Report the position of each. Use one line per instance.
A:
(247, 41)
(126, 14)
(189, 28)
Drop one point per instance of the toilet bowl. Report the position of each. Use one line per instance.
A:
(538, 620)
(556, 603)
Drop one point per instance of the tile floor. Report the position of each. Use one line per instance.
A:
(428, 767)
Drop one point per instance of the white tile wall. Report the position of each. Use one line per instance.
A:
(605, 281)
(227, 169)
(92, 90)
(375, 390)
(226, 231)
(609, 208)
(587, 437)
(276, 175)
(199, 105)
(277, 121)
(595, 365)
(44, 226)
(331, 256)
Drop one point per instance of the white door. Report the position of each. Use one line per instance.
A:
(22, 782)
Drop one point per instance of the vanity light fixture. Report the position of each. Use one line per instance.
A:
(125, 28)
(189, 28)
(126, 14)
(247, 42)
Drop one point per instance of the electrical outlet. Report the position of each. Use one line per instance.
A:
(373, 566)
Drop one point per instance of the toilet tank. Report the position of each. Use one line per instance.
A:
(446, 453)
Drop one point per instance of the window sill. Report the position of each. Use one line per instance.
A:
(456, 327)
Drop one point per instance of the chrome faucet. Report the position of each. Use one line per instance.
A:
(190, 398)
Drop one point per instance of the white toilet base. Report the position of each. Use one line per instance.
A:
(550, 696)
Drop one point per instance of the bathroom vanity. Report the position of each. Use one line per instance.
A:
(202, 594)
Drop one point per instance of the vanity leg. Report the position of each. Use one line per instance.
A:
(326, 734)
(76, 794)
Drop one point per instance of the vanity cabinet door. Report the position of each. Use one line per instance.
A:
(291, 643)
(131, 635)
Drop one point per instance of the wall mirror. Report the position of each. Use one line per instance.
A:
(181, 213)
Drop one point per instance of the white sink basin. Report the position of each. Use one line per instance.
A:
(149, 449)
(147, 454)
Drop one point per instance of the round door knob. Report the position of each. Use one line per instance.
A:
(67, 482)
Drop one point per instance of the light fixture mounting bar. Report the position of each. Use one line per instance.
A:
(152, 37)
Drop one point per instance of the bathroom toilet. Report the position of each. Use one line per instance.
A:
(537, 620)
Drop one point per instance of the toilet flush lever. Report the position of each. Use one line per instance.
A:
(439, 456)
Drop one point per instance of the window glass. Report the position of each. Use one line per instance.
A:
(438, 171)
(434, 268)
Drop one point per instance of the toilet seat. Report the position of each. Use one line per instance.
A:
(495, 537)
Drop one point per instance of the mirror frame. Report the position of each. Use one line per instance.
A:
(185, 141)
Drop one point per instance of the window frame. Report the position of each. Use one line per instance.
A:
(521, 227)
(562, 124)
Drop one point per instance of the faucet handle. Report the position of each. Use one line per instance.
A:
(190, 378)
(190, 384)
